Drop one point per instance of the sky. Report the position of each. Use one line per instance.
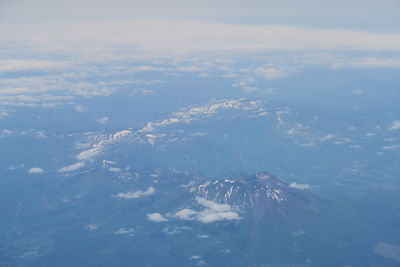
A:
(199, 26)
(62, 41)
(367, 15)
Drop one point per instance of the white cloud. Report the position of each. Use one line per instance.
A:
(175, 230)
(307, 144)
(92, 226)
(392, 147)
(327, 137)
(35, 170)
(298, 233)
(103, 120)
(226, 251)
(195, 36)
(188, 69)
(7, 132)
(213, 212)
(40, 134)
(299, 186)
(156, 217)
(357, 92)
(141, 91)
(137, 194)
(31, 65)
(4, 114)
(388, 251)
(123, 231)
(343, 141)
(80, 108)
(16, 167)
(368, 63)
(395, 126)
(72, 167)
(271, 73)
(88, 154)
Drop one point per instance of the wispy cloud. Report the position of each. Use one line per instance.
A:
(369, 62)
(136, 194)
(299, 186)
(388, 251)
(395, 126)
(88, 154)
(80, 108)
(125, 231)
(391, 147)
(35, 170)
(31, 65)
(72, 167)
(196, 36)
(103, 120)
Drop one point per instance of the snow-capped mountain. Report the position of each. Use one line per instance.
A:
(258, 194)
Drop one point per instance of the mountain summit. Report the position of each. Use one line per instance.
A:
(260, 193)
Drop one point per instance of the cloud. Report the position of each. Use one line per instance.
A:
(92, 226)
(31, 65)
(198, 259)
(353, 13)
(35, 170)
(247, 84)
(298, 233)
(103, 120)
(343, 141)
(226, 251)
(327, 137)
(88, 154)
(271, 73)
(141, 91)
(156, 217)
(80, 108)
(191, 36)
(7, 132)
(388, 251)
(4, 114)
(357, 92)
(395, 126)
(213, 212)
(123, 231)
(16, 167)
(368, 63)
(392, 147)
(299, 186)
(169, 230)
(137, 194)
(72, 167)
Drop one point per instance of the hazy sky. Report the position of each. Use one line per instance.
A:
(191, 26)
(367, 15)
(68, 40)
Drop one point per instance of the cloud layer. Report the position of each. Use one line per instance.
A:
(190, 36)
